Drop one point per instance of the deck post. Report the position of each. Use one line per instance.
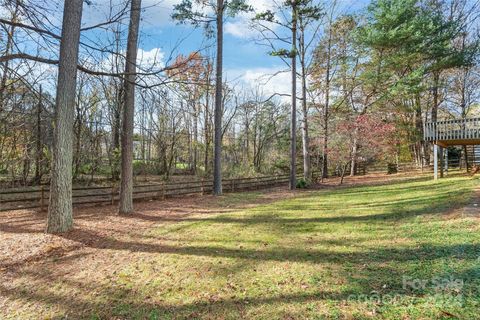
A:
(440, 158)
(446, 161)
(435, 161)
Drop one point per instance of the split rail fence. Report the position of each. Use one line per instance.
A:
(17, 199)
(37, 197)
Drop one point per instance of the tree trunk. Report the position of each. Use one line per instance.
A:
(343, 170)
(325, 151)
(307, 171)
(77, 128)
(217, 165)
(293, 126)
(206, 123)
(60, 217)
(422, 145)
(116, 133)
(196, 111)
(353, 162)
(326, 112)
(39, 147)
(126, 183)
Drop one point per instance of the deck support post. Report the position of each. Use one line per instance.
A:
(435, 161)
(446, 161)
(441, 160)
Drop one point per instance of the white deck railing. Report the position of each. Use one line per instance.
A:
(458, 129)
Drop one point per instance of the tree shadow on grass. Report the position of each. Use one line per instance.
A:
(286, 220)
(280, 222)
(372, 269)
(125, 303)
(293, 254)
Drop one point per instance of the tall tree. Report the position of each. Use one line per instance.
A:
(293, 125)
(293, 16)
(186, 13)
(60, 217)
(308, 15)
(126, 183)
(218, 111)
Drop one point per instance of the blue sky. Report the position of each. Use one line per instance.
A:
(244, 60)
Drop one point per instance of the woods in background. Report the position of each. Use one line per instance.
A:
(367, 83)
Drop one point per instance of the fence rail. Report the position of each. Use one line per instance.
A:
(458, 129)
(29, 198)
(38, 197)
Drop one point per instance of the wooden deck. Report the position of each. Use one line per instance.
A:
(453, 132)
(450, 133)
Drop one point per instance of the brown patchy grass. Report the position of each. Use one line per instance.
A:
(266, 255)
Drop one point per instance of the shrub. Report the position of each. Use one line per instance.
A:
(302, 183)
(392, 168)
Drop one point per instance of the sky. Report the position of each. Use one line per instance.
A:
(161, 39)
(245, 61)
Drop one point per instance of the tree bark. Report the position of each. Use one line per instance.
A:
(293, 126)
(217, 165)
(207, 121)
(353, 162)
(39, 147)
(307, 171)
(326, 113)
(126, 178)
(60, 217)
(196, 110)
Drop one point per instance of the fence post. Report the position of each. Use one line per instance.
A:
(42, 197)
(233, 185)
(113, 194)
(202, 188)
(164, 192)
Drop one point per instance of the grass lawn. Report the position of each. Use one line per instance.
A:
(403, 250)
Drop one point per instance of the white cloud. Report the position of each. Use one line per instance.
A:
(151, 57)
(240, 26)
(273, 80)
(147, 60)
(238, 29)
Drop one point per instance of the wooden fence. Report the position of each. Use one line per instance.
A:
(16, 199)
(37, 197)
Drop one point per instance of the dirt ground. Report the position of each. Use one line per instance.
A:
(22, 237)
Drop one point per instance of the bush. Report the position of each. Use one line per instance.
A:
(392, 168)
(302, 183)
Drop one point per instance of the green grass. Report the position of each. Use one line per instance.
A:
(348, 253)
(327, 255)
